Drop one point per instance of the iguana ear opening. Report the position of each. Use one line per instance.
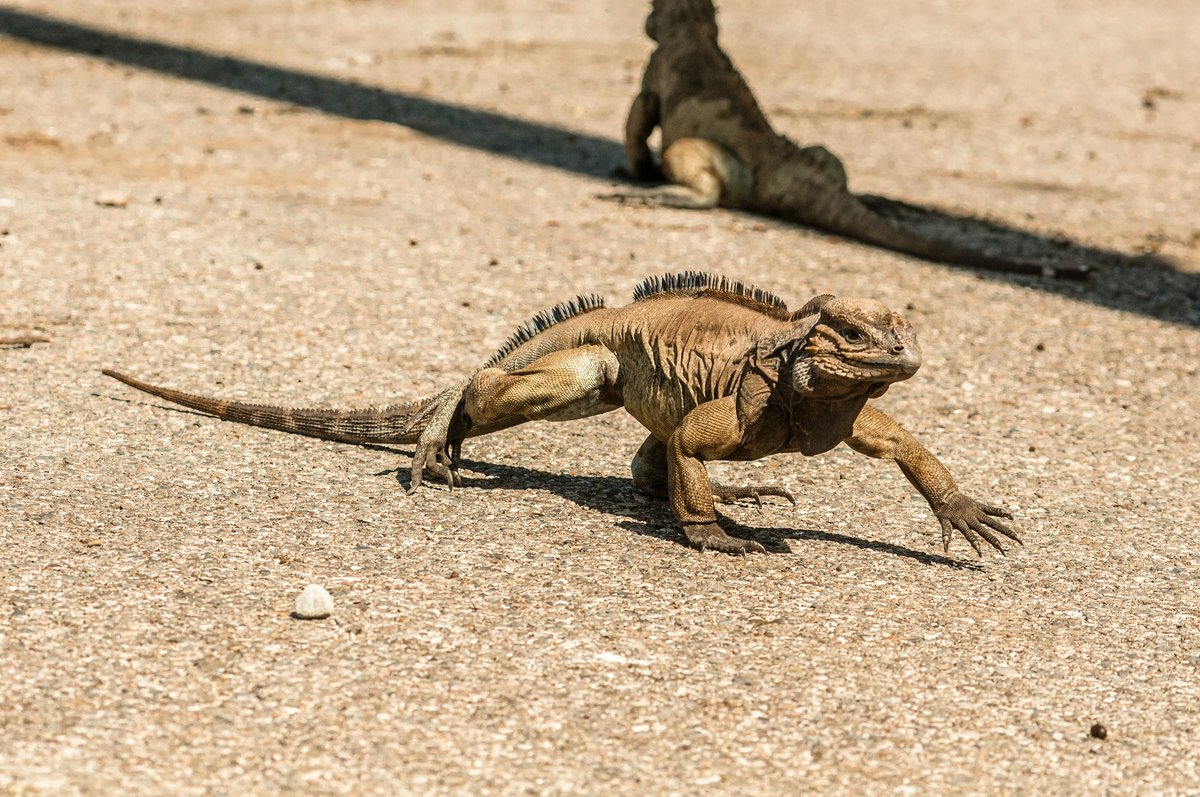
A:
(787, 341)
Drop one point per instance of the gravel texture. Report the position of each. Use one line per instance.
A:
(365, 198)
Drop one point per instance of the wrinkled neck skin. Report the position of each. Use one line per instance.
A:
(784, 405)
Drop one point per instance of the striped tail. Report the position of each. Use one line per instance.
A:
(386, 425)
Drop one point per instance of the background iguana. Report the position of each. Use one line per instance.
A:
(713, 368)
(719, 149)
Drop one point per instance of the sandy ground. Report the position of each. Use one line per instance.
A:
(346, 203)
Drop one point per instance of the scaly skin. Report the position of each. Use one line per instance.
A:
(714, 369)
(719, 149)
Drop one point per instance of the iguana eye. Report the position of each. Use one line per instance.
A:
(852, 335)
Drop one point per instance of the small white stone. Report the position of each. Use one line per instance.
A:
(314, 603)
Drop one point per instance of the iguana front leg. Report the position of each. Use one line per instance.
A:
(710, 431)
(649, 468)
(643, 118)
(877, 435)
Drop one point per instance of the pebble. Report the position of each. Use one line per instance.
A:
(1098, 731)
(314, 603)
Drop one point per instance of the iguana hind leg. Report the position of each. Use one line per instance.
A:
(435, 449)
(702, 175)
(649, 468)
(560, 386)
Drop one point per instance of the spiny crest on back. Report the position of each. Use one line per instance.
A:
(582, 303)
(694, 283)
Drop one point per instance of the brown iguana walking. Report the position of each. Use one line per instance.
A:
(719, 149)
(713, 368)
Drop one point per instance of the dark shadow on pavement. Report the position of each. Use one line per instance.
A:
(1147, 284)
(498, 133)
(611, 495)
(652, 517)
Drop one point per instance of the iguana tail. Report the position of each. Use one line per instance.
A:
(389, 424)
(846, 214)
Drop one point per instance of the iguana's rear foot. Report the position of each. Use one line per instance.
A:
(441, 461)
(728, 494)
(435, 450)
(709, 535)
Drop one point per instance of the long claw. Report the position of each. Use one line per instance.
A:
(965, 530)
(995, 510)
(975, 521)
(1003, 529)
(986, 533)
(415, 474)
(727, 494)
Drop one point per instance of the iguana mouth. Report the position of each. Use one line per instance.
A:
(904, 364)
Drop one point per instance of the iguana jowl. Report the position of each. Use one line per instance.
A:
(713, 368)
(719, 149)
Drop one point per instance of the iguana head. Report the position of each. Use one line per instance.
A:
(692, 19)
(842, 347)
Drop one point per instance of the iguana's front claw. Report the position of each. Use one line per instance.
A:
(727, 494)
(709, 535)
(974, 520)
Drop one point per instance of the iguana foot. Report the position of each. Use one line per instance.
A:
(728, 494)
(709, 535)
(666, 196)
(973, 520)
(441, 461)
(637, 197)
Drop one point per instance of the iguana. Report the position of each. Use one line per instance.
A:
(719, 149)
(715, 369)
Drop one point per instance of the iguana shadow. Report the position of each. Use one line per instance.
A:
(651, 517)
(614, 495)
(1148, 284)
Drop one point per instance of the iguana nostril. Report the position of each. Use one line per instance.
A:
(899, 347)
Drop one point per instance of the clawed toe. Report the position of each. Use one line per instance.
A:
(707, 536)
(728, 495)
(625, 198)
(438, 461)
